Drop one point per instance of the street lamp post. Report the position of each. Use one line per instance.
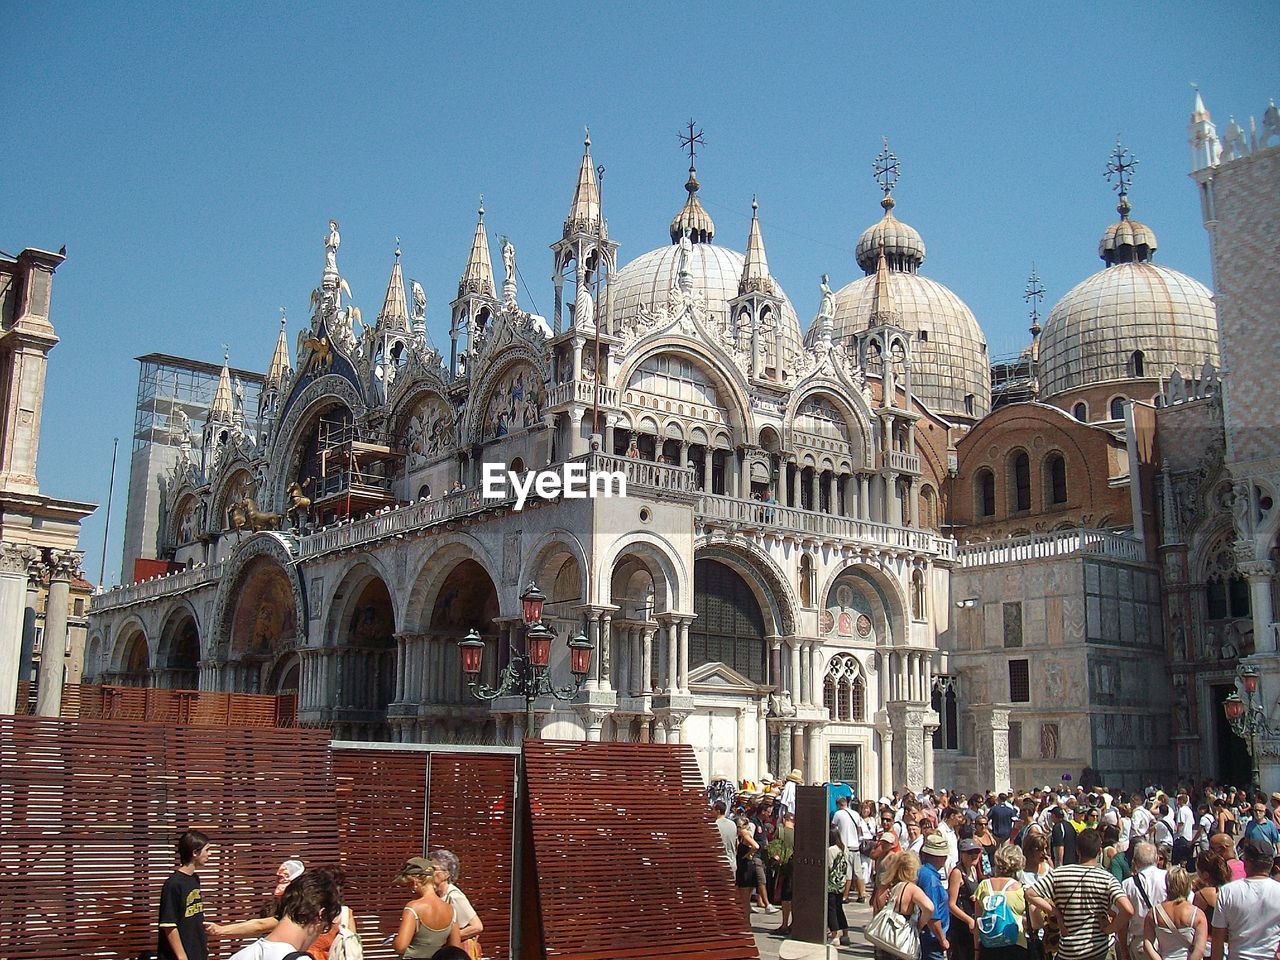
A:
(1246, 716)
(525, 674)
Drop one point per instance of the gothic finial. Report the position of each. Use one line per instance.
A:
(887, 169)
(397, 247)
(226, 353)
(586, 140)
(481, 211)
(1120, 173)
(284, 322)
(754, 205)
(1033, 294)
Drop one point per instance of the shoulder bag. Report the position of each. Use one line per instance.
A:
(892, 932)
(346, 945)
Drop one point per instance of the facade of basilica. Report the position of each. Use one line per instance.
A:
(833, 554)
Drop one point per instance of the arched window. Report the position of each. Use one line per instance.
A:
(918, 596)
(729, 628)
(986, 493)
(1136, 364)
(946, 736)
(844, 692)
(1080, 411)
(928, 507)
(1056, 478)
(1021, 467)
(1117, 408)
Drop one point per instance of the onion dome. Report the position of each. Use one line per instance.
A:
(902, 244)
(693, 217)
(1133, 320)
(950, 371)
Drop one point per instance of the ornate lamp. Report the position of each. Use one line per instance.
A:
(1233, 707)
(531, 602)
(538, 640)
(472, 650)
(1248, 674)
(580, 656)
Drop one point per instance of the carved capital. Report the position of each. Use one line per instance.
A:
(64, 564)
(1257, 569)
(18, 559)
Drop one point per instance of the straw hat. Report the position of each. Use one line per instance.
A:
(935, 845)
(796, 776)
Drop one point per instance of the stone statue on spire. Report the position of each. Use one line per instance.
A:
(332, 241)
(509, 266)
(827, 307)
(684, 269)
(419, 302)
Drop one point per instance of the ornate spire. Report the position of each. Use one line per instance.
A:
(1033, 294)
(584, 209)
(222, 410)
(755, 270)
(279, 369)
(883, 312)
(692, 216)
(1128, 241)
(477, 277)
(395, 311)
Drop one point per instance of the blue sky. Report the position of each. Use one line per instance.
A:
(189, 157)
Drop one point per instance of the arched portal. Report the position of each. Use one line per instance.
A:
(466, 600)
(729, 628)
(178, 658)
(263, 624)
(135, 664)
(366, 658)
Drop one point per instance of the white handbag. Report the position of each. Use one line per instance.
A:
(893, 933)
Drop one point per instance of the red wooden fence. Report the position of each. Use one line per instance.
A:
(628, 861)
(89, 812)
(87, 701)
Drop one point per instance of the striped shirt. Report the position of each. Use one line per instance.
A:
(1082, 894)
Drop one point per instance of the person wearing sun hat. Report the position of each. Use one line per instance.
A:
(934, 942)
(788, 799)
(286, 873)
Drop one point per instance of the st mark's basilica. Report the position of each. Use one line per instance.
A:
(856, 544)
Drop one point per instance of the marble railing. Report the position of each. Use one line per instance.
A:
(1062, 543)
(580, 391)
(904, 462)
(825, 525)
(162, 586)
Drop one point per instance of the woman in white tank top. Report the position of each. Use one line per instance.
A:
(1176, 929)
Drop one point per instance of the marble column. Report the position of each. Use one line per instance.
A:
(63, 565)
(806, 694)
(913, 502)
(785, 765)
(775, 662)
(795, 488)
(683, 626)
(13, 589)
(762, 740)
(864, 496)
(1259, 574)
(35, 580)
(673, 656)
(606, 651)
(991, 721)
(743, 734)
(646, 659)
(798, 759)
(793, 681)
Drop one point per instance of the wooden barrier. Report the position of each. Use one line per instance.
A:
(91, 811)
(628, 862)
(90, 701)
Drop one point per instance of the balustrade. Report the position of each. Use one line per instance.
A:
(1061, 543)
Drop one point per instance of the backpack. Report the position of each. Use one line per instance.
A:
(346, 945)
(998, 926)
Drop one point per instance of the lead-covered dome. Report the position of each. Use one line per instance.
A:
(1132, 320)
(647, 281)
(950, 371)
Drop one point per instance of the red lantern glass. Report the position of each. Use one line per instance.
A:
(538, 643)
(1250, 683)
(579, 656)
(531, 602)
(1233, 707)
(472, 649)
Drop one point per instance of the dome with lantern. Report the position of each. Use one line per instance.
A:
(719, 274)
(950, 371)
(1133, 319)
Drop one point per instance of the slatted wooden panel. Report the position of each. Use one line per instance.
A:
(89, 812)
(155, 705)
(629, 864)
(381, 800)
(471, 813)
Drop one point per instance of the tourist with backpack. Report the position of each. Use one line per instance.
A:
(1002, 908)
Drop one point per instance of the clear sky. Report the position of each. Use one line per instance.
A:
(189, 156)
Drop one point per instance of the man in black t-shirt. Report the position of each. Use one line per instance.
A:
(182, 935)
(1062, 839)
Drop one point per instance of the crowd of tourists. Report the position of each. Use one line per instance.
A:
(307, 917)
(1071, 874)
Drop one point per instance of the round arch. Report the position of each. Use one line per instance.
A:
(671, 578)
(289, 438)
(132, 626)
(883, 603)
(349, 581)
(729, 387)
(767, 581)
(730, 625)
(178, 653)
(267, 548)
(857, 415)
(232, 483)
(446, 553)
(546, 561)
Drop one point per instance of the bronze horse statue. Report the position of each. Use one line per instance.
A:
(299, 502)
(244, 514)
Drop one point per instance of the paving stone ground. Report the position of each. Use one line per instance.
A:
(767, 940)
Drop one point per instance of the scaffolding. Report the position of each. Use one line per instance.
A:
(351, 478)
(1013, 379)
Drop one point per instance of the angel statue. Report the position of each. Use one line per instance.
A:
(509, 259)
(419, 301)
(332, 241)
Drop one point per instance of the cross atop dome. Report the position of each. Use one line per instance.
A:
(887, 170)
(692, 218)
(1120, 173)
